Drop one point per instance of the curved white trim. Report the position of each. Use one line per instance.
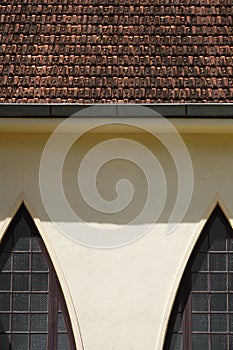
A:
(22, 199)
(217, 200)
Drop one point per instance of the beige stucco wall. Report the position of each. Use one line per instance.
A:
(120, 298)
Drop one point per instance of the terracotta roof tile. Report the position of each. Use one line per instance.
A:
(142, 51)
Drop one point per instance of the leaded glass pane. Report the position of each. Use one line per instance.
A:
(219, 341)
(21, 261)
(204, 246)
(35, 245)
(20, 322)
(39, 322)
(62, 342)
(4, 341)
(230, 244)
(5, 262)
(199, 302)
(4, 322)
(217, 236)
(231, 322)
(230, 262)
(59, 307)
(21, 236)
(21, 282)
(217, 262)
(176, 343)
(38, 342)
(200, 281)
(230, 281)
(218, 302)
(218, 282)
(61, 323)
(20, 302)
(231, 341)
(200, 263)
(19, 342)
(200, 322)
(5, 281)
(230, 302)
(177, 326)
(218, 323)
(39, 281)
(4, 302)
(39, 302)
(38, 262)
(22, 244)
(200, 342)
(7, 245)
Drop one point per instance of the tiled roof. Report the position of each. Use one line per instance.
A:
(90, 51)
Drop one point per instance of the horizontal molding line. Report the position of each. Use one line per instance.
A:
(113, 125)
(189, 110)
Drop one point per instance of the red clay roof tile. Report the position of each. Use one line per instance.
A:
(143, 51)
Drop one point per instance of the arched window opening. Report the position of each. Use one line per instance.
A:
(33, 312)
(202, 316)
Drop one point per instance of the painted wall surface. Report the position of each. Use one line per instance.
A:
(118, 299)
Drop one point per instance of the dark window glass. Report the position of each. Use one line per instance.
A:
(39, 281)
(200, 322)
(218, 262)
(5, 281)
(219, 341)
(33, 314)
(6, 262)
(19, 341)
(177, 326)
(218, 282)
(230, 282)
(203, 309)
(63, 342)
(217, 235)
(39, 322)
(231, 323)
(39, 302)
(200, 302)
(199, 341)
(4, 302)
(61, 322)
(4, 323)
(176, 342)
(218, 302)
(200, 281)
(21, 261)
(38, 262)
(201, 263)
(20, 322)
(38, 341)
(20, 302)
(4, 341)
(21, 282)
(230, 262)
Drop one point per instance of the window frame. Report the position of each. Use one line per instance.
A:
(55, 294)
(183, 302)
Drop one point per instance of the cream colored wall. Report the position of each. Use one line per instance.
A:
(119, 298)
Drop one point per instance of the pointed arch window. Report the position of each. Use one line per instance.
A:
(202, 316)
(33, 313)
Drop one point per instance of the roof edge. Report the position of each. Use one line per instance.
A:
(169, 110)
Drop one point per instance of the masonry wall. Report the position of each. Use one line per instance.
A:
(118, 299)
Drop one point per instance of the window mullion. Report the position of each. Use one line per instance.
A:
(52, 314)
(187, 318)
